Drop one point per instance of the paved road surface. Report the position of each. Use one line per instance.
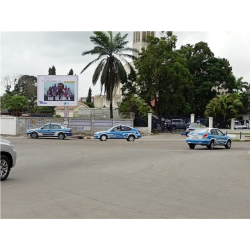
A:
(154, 177)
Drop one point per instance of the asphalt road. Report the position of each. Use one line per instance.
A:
(156, 177)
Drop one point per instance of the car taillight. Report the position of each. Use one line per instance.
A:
(205, 136)
(70, 130)
(139, 131)
(187, 135)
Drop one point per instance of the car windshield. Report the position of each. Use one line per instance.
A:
(200, 130)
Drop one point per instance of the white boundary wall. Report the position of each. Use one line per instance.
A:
(8, 125)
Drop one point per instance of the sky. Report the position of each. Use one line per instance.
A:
(36, 35)
(33, 53)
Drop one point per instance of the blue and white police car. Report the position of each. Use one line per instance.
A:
(50, 130)
(119, 132)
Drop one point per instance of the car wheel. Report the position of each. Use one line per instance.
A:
(103, 138)
(228, 144)
(5, 167)
(211, 146)
(34, 135)
(61, 136)
(191, 146)
(131, 138)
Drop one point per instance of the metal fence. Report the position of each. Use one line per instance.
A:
(78, 125)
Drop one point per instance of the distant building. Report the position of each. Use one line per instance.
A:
(59, 110)
(83, 99)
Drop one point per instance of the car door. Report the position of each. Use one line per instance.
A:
(45, 130)
(223, 137)
(115, 133)
(215, 136)
(125, 131)
(55, 128)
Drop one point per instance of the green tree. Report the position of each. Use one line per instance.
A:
(52, 70)
(89, 102)
(163, 76)
(130, 88)
(89, 99)
(224, 107)
(27, 86)
(17, 104)
(5, 100)
(134, 104)
(211, 76)
(111, 52)
(71, 72)
(240, 85)
(243, 89)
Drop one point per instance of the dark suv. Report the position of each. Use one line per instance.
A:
(178, 124)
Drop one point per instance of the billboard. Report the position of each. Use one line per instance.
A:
(54, 90)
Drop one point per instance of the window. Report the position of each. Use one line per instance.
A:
(46, 127)
(214, 132)
(55, 126)
(125, 128)
(219, 132)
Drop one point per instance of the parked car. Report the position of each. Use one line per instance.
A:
(209, 137)
(178, 124)
(8, 158)
(238, 125)
(50, 130)
(191, 127)
(119, 132)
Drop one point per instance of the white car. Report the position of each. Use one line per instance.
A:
(8, 158)
(238, 125)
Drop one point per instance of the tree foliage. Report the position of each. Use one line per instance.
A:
(224, 106)
(89, 102)
(27, 87)
(134, 104)
(162, 76)
(211, 76)
(71, 72)
(17, 104)
(52, 70)
(111, 52)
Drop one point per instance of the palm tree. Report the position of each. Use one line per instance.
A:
(111, 52)
(224, 106)
(240, 85)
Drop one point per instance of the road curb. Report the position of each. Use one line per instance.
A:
(82, 137)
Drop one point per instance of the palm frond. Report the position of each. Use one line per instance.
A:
(92, 63)
(98, 71)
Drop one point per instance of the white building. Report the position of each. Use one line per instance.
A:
(139, 41)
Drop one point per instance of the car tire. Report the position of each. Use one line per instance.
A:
(61, 136)
(228, 144)
(191, 146)
(34, 135)
(103, 138)
(211, 145)
(5, 167)
(131, 138)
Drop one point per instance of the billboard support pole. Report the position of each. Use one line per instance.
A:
(66, 116)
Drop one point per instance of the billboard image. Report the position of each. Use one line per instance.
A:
(53, 90)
